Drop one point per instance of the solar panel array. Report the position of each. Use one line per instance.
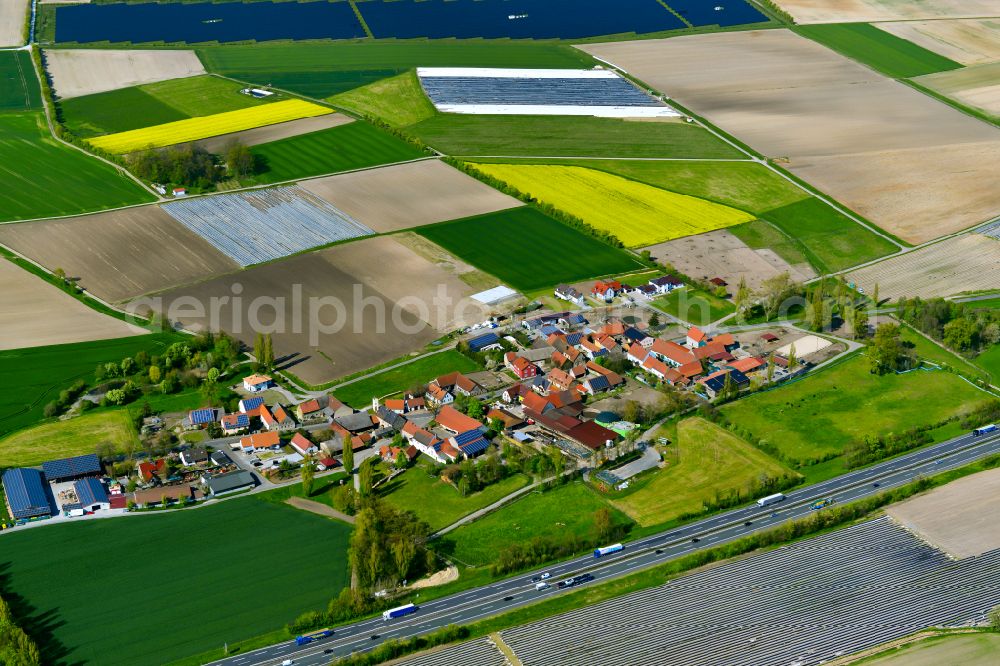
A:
(263, 225)
(991, 230)
(25, 491)
(570, 91)
(472, 443)
(90, 491)
(806, 602)
(201, 416)
(66, 468)
(248, 404)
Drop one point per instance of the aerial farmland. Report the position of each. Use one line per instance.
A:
(369, 331)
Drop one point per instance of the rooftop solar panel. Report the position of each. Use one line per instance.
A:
(25, 492)
(252, 403)
(201, 416)
(66, 468)
(90, 491)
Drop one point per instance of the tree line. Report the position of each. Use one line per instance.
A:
(961, 326)
(16, 647)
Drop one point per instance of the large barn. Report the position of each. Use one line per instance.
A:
(26, 494)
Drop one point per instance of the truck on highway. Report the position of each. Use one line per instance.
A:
(985, 429)
(305, 639)
(399, 611)
(607, 550)
(770, 499)
(819, 504)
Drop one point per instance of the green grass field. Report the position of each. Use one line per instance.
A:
(705, 462)
(979, 649)
(989, 361)
(439, 503)
(823, 412)
(353, 146)
(880, 50)
(39, 373)
(45, 178)
(567, 136)
(73, 437)
(359, 394)
(826, 238)
(534, 515)
(154, 104)
(19, 89)
(322, 70)
(528, 250)
(180, 571)
(695, 305)
(398, 100)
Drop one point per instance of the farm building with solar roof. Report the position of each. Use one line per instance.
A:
(26, 494)
(67, 469)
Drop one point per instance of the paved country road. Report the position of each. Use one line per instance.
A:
(503, 595)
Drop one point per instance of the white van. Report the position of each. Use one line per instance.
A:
(541, 586)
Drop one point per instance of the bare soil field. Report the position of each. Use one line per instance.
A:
(377, 305)
(77, 72)
(121, 254)
(917, 167)
(854, 11)
(959, 517)
(966, 41)
(259, 135)
(409, 195)
(36, 314)
(721, 254)
(12, 15)
(977, 86)
(970, 262)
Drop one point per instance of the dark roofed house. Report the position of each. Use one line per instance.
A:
(592, 435)
(390, 419)
(716, 382)
(359, 422)
(220, 459)
(67, 469)
(26, 494)
(91, 494)
(193, 457)
(230, 482)
(484, 341)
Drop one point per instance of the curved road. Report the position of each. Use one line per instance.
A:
(474, 604)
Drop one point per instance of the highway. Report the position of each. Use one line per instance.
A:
(504, 595)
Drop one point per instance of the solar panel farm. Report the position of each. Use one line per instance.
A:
(317, 311)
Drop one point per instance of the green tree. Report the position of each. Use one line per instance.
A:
(154, 374)
(961, 334)
(366, 477)
(742, 298)
(212, 376)
(268, 352)
(401, 460)
(886, 352)
(654, 319)
(994, 616)
(258, 350)
(816, 308)
(603, 523)
(308, 477)
(632, 411)
(792, 361)
(240, 161)
(770, 368)
(348, 455)
(875, 298)
(860, 324)
(127, 366)
(776, 292)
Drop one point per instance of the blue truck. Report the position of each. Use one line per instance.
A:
(985, 429)
(306, 639)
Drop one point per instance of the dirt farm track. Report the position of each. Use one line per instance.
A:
(854, 11)
(909, 163)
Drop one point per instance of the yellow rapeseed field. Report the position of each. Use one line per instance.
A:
(203, 127)
(638, 214)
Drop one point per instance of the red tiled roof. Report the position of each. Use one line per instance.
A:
(301, 444)
(725, 339)
(262, 440)
(395, 405)
(309, 406)
(696, 334)
(672, 351)
(532, 400)
(746, 365)
(454, 420)
(592, 435)
(689, 370)
(280, 414)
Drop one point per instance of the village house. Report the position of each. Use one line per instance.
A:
(715, 383)
(606, 290)
(199, 419)
(259, 442)
(276, 419)
(303, 446)
(695, 337)
(390, 454)
(150, 469)
(257, 383)
(232, 424)
(568, 293)
(665, 284)
(193, 457)
(520, 366)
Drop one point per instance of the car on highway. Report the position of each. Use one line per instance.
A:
(695, 539)
(748, 523)
(875, 485)
(659, 551)
(375, 637)
(287, 662)
(328, 651)
(508, 598)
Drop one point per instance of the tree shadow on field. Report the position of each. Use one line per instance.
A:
(290, 361)
(39, 625)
